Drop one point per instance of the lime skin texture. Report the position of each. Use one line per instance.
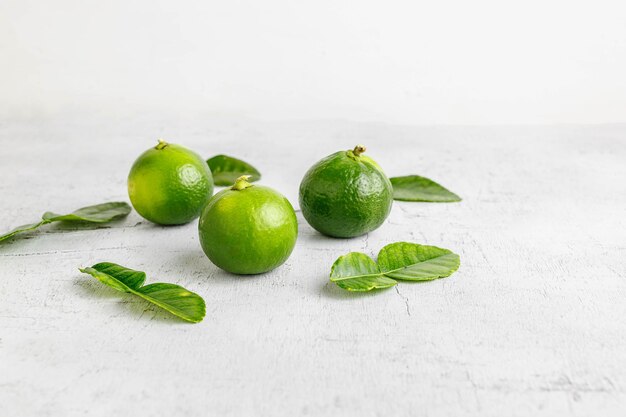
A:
(248, 229)
(346, 194)
(169, 184)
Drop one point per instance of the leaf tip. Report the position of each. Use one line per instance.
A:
(196, 320)
(202, 314)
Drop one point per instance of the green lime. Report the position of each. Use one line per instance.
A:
(346, 194)
(248, 229)
(169, 184)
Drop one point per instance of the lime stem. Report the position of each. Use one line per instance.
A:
(162, 144)
(358, 150)
(241, 183)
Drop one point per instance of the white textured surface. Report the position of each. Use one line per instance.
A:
(532, 323)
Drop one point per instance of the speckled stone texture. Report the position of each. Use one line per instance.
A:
(531, 324)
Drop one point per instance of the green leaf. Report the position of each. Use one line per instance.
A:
(171, 297)
(416, 188)
(413, 262)
(105, 279)
(113, 274)
(100, 213)
(226, 170)
(358, 272)
(175, 299)
(20, 229)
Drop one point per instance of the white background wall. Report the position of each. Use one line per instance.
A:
(415, 62)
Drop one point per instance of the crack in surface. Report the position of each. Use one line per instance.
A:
(406, 301)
